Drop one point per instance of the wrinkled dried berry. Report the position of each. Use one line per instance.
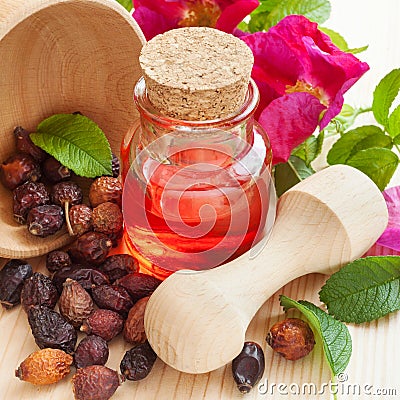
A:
(25, 144)
(291, 338)
(134, 325)
(75, 303)
(138, 285)
(45, 220)
(86, 277)
(115, 166)
(118, 265)
(54, 171)
(38, 290)
(91, 248)
(44, 367)
(17, 169)
(104, 323)
(112, 297)
(50, 329)
(138, 362)
(92, 350)
(66, 193)
(57, 259)
(26, 196)
(80, 219)
(248, 367)
(95, 382)
(12, 278)
(105, 188)
(107, 219)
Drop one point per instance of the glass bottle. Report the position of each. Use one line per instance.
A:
(196, 193)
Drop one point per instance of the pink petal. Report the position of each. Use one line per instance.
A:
(233, 12)
(391, 236)
(288, 121)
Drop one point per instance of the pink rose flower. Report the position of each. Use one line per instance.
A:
(302, 77)
(159, 16)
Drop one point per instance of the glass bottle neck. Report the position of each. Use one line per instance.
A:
(186, 142)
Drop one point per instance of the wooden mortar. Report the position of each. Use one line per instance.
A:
(196, 321)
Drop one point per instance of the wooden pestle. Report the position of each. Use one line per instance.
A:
(196, 321)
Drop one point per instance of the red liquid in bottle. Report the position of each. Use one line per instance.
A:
(197, 211)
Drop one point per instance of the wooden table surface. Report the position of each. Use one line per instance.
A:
(372, 371)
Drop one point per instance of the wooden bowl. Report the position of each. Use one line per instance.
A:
(60, 57)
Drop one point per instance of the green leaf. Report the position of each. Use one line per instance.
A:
(77, 142)
(335, 336)
(357, 50)
(355, 140)
(290, 173)
(384, 95)
(364, 290)
(394, 123)
(309, 149)
(126, 3)
(337, 39)
(315, 10)
(396, 140)
(378, 163)
(266, 6)
(243, 26)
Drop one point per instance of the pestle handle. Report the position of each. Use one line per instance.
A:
(196, 321)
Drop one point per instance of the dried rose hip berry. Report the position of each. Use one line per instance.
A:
(291, 338)
(95, 382)
(112, 297)
(92, 350)
(138, 285)
(105, 188)
(12, 278)
(17, 169)
(138, 362)
(134, 325)
(86, 277)
(45, 220)
(26, 196)
(104, 323)
(80, 219)
(91, 248)
(248, 367)
(118, 265)
(107, 219)
(75, 303)
(38, 290)
(54, 171)
(44, 367)
(50, 329)
(57, 259)
(25, 145)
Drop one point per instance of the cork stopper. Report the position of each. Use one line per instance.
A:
(196, 73)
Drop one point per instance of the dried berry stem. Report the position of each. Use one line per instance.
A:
(69, 227)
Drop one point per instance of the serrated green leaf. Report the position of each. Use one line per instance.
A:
(378, 163)
(355, 140)
(394, 123)
(357, 50)
(337, 39)
(396, 140)
(243, 26)
(384, 95)
(364, 290)
(126, 3)
(77, 142)
(315, 10)
(290, 173)
(309, 150)
(266, 6)
(335, 336)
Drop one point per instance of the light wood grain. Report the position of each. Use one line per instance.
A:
(58, 57)
(375, 345)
